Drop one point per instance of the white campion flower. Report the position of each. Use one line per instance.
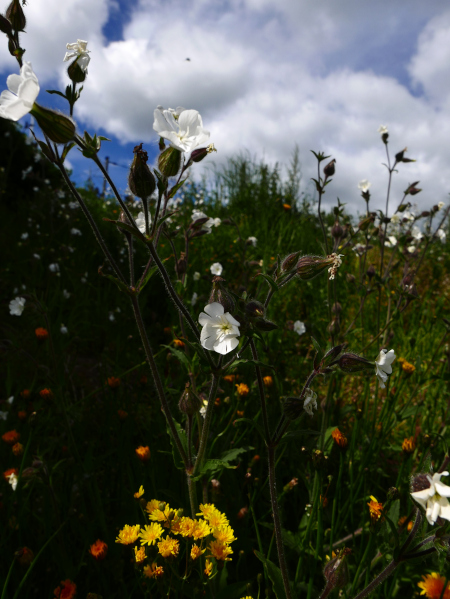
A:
(411, 249)
(391, 241)
(364, 185)
(310, 402)
(53, 267)
(209, 224)
(75, 231)
(37, 256)
(359, 249)
(3, 415)
(220, 330)
(440, 205)
(140, 221)
(442, 235)
(78, 50)
(217, 222)
(194, 299)
(395, 219)
(10, 400)
(253, 241)
(383, 365)
(299, 327)
(184, 133)
(17, 306)
(24, 236)
(196, 276)
(382, 129)
(13, 480)
(216, 269)
(417, 233)
(63, 329)
(22, 91)
(66, 294)
(336, 264)
(434, 499)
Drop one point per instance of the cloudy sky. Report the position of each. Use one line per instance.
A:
(265, 75)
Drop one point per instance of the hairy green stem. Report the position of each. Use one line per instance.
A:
(207, 421)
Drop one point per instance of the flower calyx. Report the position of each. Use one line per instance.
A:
(58, 127)
(140, 179)
(189, 402)
(15, 15)
(169, 162)
(220, 295)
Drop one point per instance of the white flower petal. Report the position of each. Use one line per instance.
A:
(215, 309)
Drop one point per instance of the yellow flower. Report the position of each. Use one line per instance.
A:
(247, 597)
(432, 586)
(217, 520)
(208, 568)
(139, 493)
(339, 438)
(163, 514)
(242, 390)
(139, 554)
(408, 368)
(206, 509)
(152, 505)
(196, 552)
(268, 381)
(128, 535)
(150, 534)
(375, 509)
(143, 453)
(201, 529)
(168, 547)
(186, 527)
(409, 445)
(153, 571)
(224, 534)
(220, 551)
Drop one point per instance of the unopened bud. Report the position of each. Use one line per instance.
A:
(182, 264)
(58, 127)
(366, 222)
(5, 26)
(350, 278)
(329, 169)
(371, 271)
(220, 295)
(15, 15)
(400, 157)
(425, 213)
(169, 162)
(334, 327)
(255, 309)
(161, 144)
(290, 261)
(140, 179)
(336, 308)
(189, 402)
(336, 230)
(349, 362)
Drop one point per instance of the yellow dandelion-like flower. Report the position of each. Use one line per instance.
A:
(186, 527)
(432, 586)
(150, 534)
(196, 552)
(208, 567)
(139, 494)
(168, 547)
(206, 509)
(224, 534)
(375, 509)
(128, 535)
(201, 529)
(139, 555)
(153, 571)
(152, 505)
(217, 520)
(247, 597)
(409, 445)
(162, 515)
(220, 551)
(242, 390)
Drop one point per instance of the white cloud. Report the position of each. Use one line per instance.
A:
(269, 74)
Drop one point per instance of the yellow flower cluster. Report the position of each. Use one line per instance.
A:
(211, 531)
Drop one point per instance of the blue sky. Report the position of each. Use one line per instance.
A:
(265, 75)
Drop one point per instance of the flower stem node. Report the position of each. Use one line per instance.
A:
(140, 179)
(169, 162)
(58, 127)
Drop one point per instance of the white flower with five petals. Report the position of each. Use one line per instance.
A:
(299, 327)
(383, 365)
(220, 330)
(364, 185)
(18, 99)
(216, 269)
(17, 306)
(434, 499)
(78, 51)
(185, 133)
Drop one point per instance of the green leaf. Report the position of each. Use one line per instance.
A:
(181, 357)
(316, 345)
(275, 576)
(269, 280)
(175, 188)
(148, 276)
(66, 150)
(183, 438)
(122, 287)
(58, 93)
(232, 454)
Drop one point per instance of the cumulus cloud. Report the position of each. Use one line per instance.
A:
(267, 75)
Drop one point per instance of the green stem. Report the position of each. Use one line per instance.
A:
(157, 379)
(207, 421)
(261, 391)
(277, 521)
